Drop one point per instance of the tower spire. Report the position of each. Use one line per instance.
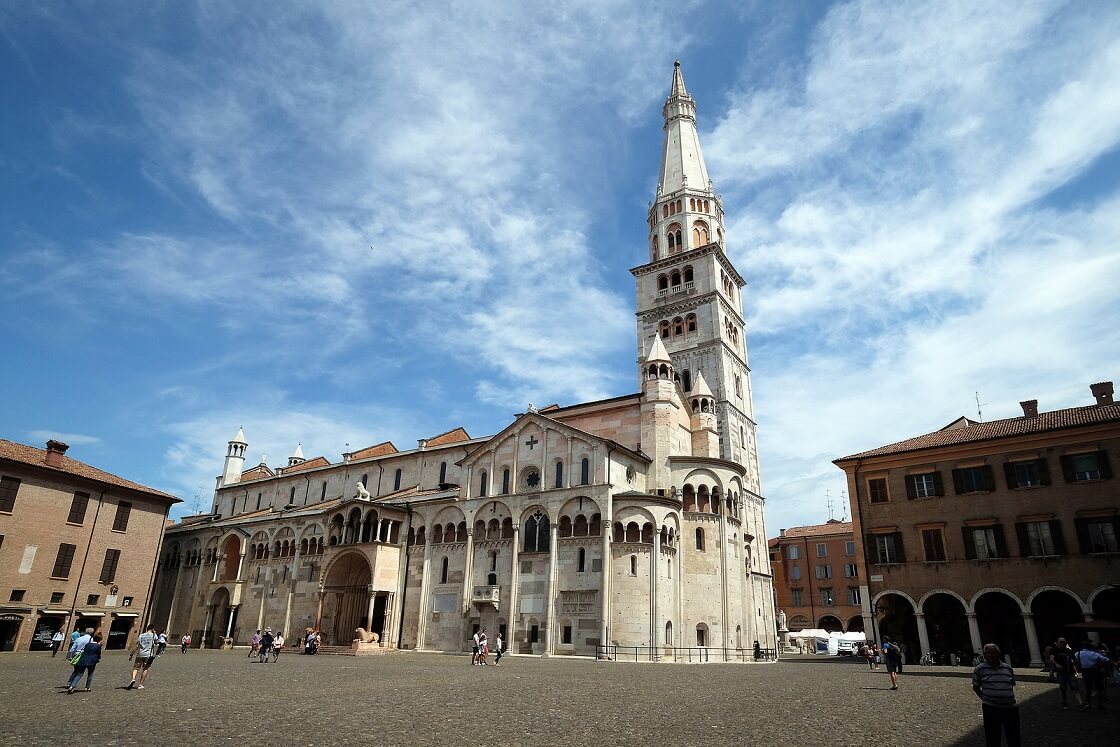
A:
(682, 162)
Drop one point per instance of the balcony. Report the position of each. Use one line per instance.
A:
(484, 595)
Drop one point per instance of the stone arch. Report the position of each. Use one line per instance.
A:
(922, 602)
(875, 599)
(346, 582)
(492, 509)
(972, 603)
(1090, 600)
(1085, 606)
(831, 623)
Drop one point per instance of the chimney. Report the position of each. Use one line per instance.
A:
(1030, 408)
(781, 533)
(1102, 392)
(423, 442)
(55, 450)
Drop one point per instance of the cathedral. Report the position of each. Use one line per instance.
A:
(631, 521)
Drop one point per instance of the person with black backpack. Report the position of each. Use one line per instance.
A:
(893, 655)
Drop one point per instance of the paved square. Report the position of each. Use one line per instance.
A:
(409, 698)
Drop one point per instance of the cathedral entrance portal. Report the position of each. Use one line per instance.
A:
(346, 599)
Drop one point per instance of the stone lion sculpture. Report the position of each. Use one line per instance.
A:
(362, 492)
(364, 636)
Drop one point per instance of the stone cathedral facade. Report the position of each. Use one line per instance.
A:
(636, 520)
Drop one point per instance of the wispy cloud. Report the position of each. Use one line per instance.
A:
(72, 439)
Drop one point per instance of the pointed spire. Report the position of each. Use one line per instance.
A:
(298, 454)
(700, 389)
(240, 437)
(657, 352)
(682, 162)
(678, 88)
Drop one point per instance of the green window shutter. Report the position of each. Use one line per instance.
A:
(969, 543)
(911, 491)
(1024, 538)
(1009, 473)
(938, 486)
(1043, 471)
(1058, 537)
(1067, 468)
(958, 481)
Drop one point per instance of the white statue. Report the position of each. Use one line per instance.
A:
(362, 492)
(781, 620)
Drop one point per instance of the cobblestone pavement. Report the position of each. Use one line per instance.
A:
(205, 697)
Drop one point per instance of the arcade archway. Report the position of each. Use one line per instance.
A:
(1053, 610)
(896, 620)
(1000, 620)
(947, 625)
(346, 599)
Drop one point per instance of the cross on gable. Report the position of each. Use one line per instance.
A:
(532, 442)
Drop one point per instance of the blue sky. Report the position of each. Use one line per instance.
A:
(354, 222)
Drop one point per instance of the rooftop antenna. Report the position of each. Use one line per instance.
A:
(844, 497)
(197, 500)
(828, 498)
(979, 404)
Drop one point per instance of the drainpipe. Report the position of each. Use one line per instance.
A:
(407, 558)
(149, 603)
(812, 604)
(380, 472)
(82, 571)
(307, 489)
(866, 556)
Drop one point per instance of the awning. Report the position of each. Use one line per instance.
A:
(1097, 625)
(49, 611)
(126, 614)
(21, 608)
(90, 613)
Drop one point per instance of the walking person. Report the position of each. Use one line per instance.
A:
(186, 642)
(499, 645)
(86, 663)
(1092, 665)
(483, 648)
(56, 642)
(1064, 672)
(265, 647)
(993, 681)
(277, 645)
(474, 649)
(161, 640)
(893, 655)
(142, 658)
(255, 644)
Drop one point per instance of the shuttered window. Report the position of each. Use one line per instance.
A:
(78, 508)
(63, 561)
(9, 486)
(109, 567)
(120, 521)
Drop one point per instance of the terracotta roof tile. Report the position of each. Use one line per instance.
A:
(380, 449)
(31, 455)
(1072, 417)
(455, 435)
(818, 530)
(319, 461)
(256, 473)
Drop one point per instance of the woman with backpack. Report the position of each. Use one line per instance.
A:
(893, 655)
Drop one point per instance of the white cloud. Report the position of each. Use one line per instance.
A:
(73, 439)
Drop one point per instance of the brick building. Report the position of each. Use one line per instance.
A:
(1003, 532)
(78, 547)
(817, 574)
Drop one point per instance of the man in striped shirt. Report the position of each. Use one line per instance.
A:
(994, 683)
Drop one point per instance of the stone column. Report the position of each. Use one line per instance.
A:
(606, 527)
(571, 464)
(218, 561)
(425, 592)
(654, 617)
(468, 489)
(725, 593)
(468, 573)
(206, 625)
(229, 621)
(491, 472)
(1032, 639)
(974, 633)
(389, 626)
(240, 565)
(369, 611)
(514, 583)
(923, 632)
(547, 480)
(550, 607)
(319, 609)
(513, 469)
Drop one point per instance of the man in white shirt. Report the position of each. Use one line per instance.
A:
(474, 649)
(143, 657)
(56, 642)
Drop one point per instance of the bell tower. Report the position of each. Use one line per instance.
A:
(689, 293)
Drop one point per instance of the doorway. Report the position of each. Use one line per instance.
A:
(9, 631)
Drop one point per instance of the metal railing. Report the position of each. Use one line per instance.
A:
(690, 654)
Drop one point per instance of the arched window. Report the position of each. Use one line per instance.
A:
(653, 246)
(437, 534)
(665, 210)
(461, 532)
(680, 206)
(505, 481)
(443, 571)
(323, 491)
(676, 279)
(678, 326)
(397, 480)
(663, 282)
(565, 526)
(664, 330)
(669, 633)
(482, 484)
(585, 471)
(690, 323)
(671, 242)
(633, 565)
(259, 500)
(365, 481)
(581, 561)
(677, 236)
(536, 533)
(699, 233)
(442, 472)
(669, 568)
(688, 274)
(596, 528)
(699, 538)
(559, 475)
(579, 529)
(691, 203)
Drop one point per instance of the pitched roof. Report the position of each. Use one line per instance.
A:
(1055, 420)
(818, 530)
(31, 455)
(455, 435)
(319, 461)
(256, 473)
(381, 449)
